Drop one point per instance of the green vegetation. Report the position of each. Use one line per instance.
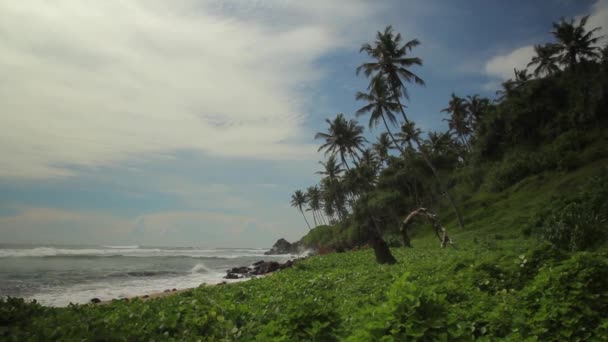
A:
(552, 121)
(525, 175)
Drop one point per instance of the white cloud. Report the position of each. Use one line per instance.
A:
(599, 16)
(92, 83)
(502, 66)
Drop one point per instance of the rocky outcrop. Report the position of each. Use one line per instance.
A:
(283, 246)
(259, 268)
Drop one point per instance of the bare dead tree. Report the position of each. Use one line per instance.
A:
(440, 231)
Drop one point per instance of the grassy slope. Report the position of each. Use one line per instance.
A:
(484, 288)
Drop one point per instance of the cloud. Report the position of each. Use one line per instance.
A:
(95, 83)
(599, 16)
(502, 66)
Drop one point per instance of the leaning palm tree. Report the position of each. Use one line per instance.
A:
(343, 137)
(381, 105)
(545, 60)
(459, 121)
(391, 62)
(574, 42)
(314, 204)
(298, 200)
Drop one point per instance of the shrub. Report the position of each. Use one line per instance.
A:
(410, 313)
(567, 302)
(578, 222)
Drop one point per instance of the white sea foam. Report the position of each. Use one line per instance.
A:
(200, 268)
(83, 293)
(131, 251)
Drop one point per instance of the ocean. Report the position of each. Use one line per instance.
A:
(58, 275)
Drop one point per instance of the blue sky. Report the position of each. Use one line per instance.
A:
(190, 122)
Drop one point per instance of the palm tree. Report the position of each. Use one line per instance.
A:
(381, 106)
(545, 60)
(331, 189)
(382, 146)
(314, 203)
(331, 168)
(574, 42)
(459, 121)
(343, 137)
(391, 62)
(298, 200)
(409, 132)
(476, 107)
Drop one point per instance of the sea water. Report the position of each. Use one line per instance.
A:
(58, 275)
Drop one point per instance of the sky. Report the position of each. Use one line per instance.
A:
(191, 122)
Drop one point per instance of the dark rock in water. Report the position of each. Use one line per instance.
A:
(95, 300)
(174, 289)
(283, 246)
(240, 270)
(266, 267)
(167, 290)
(257, 263)
(233, 276)
(145, 296)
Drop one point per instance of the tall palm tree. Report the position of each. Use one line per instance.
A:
(476, 106)
(391, 62)
(343, 137)
(408, 134)
(381, 105)
(314, 203)
(459, 120)
(574, 42)
(298, 200)
(332, 193)
(382, 146)
(545, 60)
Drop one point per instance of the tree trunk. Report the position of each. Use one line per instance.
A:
(381, 251)
(440, 231)
(314, 218)
(305, 219)
(433, 170)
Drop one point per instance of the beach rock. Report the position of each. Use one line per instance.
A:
(174, 289)
(167, 290)
(283, 246)
(233, 276)
(240, 270)
(95, 300)
(145, 296)
(266, 267)
(257, 263)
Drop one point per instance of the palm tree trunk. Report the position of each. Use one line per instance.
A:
(305, 219)
(433, 170)
(391, 135)
(381, 251)
(314, 218)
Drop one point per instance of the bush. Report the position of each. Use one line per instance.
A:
(410, 313)
(567, 302)
(578, 222)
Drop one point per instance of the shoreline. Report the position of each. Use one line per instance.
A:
(167, 293)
